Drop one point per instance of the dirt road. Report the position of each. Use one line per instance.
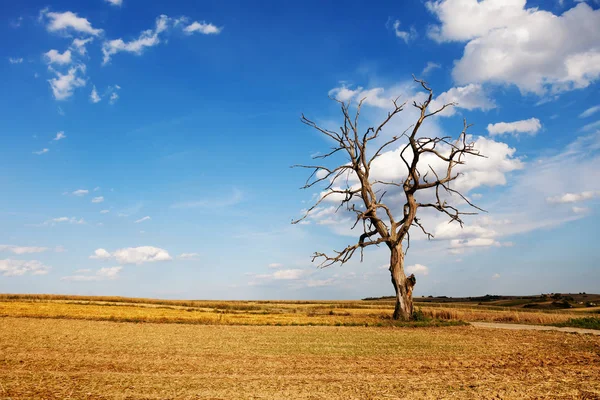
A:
(522, 327)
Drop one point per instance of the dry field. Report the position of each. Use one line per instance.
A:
(79, 359)
(337, 313)
(68, 347)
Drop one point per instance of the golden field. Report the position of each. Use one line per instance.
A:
(79, 359)
(346, 313)
(67, 347)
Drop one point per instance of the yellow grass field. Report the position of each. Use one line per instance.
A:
(65, 347)
(346, 313)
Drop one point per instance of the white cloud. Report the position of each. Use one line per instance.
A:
(94, 97)
(591, 127)
(100, 254)
(530, 126)
(59, 220)
(320, 282)
(134, 255)
(147, 38)
(54, 57)
(275, 265)
(507, 43)
(78, 45)
(14, 60)
(22, 249)
(98, 199)
(407, 36)
(10, 267)
(61, 22)
(64, 84)
(495, 276)
(572, 197)
(114, 96)
(146, 218)
(42, 151)
(279, 275)
(580, 210)
(470, 97)
(59, 136)
(188, 256)
(80, 192)
(430, 67)
(589, 112)
(104, 211)
(202, 27)
(417, 269)
(117, 3)
(458, 244)
(106, 273)
(287, 274)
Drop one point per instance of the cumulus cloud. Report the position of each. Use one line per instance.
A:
(10, 267)
(572, 197)
(78, 45)
(68, 21)
(152, 37)
(63, 85)
(104, 211)
(202, 27)
(54, 57)
(98, 199)
(470, 97)
(407, 36)
(106, 273)
(134, 255)
(100, 254)
(94, 97)
(275, 265)
(147, 38)
(60, 136)
(417, 269)
(529, 126)
(40, 152)
(15, 60)
(80, 192)
(507, 43)
(496, 276)
(117, 3)
(114, 96)
(146, 218)
(22, 249)
(293, 275)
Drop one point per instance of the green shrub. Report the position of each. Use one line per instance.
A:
(586, 323)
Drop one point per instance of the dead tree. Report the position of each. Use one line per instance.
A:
(379, 223)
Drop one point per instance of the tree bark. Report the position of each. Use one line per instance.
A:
(402, 284)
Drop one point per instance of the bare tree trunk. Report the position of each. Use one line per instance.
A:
(402, 284)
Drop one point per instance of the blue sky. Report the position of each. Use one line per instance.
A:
(146, 146)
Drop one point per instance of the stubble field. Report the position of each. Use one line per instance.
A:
(69, 354)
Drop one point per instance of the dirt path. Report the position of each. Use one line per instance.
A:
(519, 327)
